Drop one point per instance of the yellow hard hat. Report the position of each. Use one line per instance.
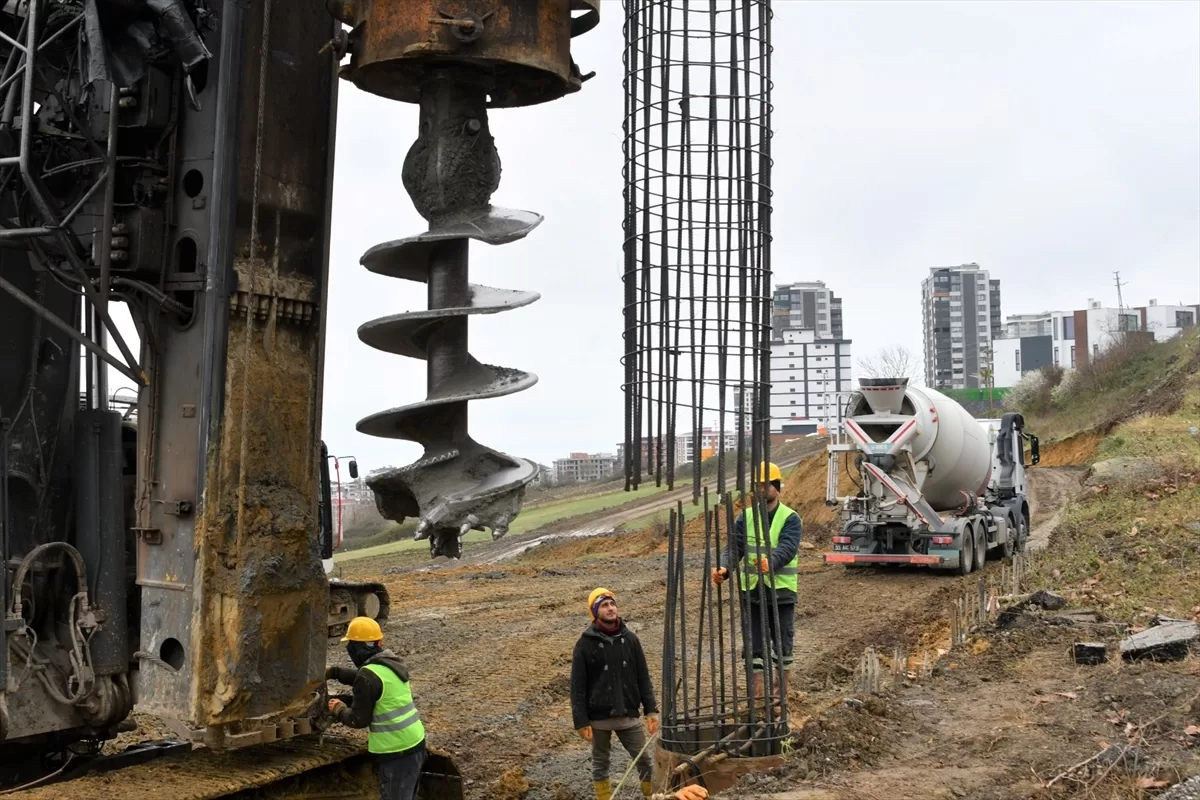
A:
(363, 629)
(769, 472)
(596, 595)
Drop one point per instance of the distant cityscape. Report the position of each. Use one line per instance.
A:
(968, 348)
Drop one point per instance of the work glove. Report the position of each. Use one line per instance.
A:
(335, 706)
(719, 575)
(692, 793)
(652, 723)
(764, 566)
(586, 732)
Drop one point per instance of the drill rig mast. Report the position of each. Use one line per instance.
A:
(177, 156)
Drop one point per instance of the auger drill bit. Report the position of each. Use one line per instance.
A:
(456, 66)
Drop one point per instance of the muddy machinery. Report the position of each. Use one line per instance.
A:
(177, 156)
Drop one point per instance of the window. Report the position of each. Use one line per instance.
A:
(1056, 356)
(1018, 354)
(1072, 356)
(1184, 319)
(1127, 322)
(1068, 327)
(1095, 351)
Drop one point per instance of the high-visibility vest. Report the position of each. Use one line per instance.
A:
(785, 578)
(395, 724)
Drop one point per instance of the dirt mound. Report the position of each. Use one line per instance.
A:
(1073, 451)
(511, 785)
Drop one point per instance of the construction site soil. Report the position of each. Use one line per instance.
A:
(490, 645)
(489, 642)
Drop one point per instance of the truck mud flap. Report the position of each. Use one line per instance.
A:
(856, 558)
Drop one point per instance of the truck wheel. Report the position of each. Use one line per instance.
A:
(966, 552)
(1011, 538)
(1020, 533)
(981, 548)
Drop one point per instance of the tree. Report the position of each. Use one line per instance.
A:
(892, 362)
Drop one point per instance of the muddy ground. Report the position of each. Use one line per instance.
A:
(490, 646)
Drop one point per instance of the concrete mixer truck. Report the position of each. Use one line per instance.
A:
(935, 486)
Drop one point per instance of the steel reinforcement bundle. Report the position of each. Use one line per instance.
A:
(697, 306)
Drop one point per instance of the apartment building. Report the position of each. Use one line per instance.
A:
(1069, 338)
(585, 467)
(960, 317)
(806, 306)
(807, 375)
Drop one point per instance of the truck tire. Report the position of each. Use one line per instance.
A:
(981, 547)
(1010, 538)
(966, 552)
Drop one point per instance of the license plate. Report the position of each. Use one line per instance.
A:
(845, 548)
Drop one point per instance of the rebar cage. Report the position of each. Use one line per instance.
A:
(697, 237)
(697, 305)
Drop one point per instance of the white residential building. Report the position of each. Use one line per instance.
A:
(1167, 322)
(1067, 339)
(583, 467)
(807, 375)
(960, 313)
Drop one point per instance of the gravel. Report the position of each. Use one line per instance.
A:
(1188, 790)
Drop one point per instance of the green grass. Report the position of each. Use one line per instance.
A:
(1120, 384)
(1131, 551)
(529, 520)
(663, 515)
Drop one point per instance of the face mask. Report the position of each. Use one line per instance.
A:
(361, 652)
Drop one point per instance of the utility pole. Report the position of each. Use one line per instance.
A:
(1122, 332)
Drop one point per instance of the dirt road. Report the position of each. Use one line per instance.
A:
(490, 643)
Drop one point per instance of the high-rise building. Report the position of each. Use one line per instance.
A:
(961, 316)
(806, 306)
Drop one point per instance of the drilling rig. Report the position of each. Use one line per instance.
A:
(489, 55)
(176, 156)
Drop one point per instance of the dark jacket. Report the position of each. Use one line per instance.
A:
(609, 677)
(781, 556)
(367, 688)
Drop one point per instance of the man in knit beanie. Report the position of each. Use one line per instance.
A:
(609, 681)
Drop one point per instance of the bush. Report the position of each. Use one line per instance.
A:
(1110, 369)
(1033, 394)
(1061, 394)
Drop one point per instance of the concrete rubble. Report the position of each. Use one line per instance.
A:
(1166, 640)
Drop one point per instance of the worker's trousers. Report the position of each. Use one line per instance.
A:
(633, 739)
(399, 776)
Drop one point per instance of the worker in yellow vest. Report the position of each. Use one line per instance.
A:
(382, 702)
(774, 562)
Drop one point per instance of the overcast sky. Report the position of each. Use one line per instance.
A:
(1052, 143)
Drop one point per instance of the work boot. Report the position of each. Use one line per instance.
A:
(647, 790)
(603, 790)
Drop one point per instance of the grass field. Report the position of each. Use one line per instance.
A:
(529, 520)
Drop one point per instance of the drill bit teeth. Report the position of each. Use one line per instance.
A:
(458, 485)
